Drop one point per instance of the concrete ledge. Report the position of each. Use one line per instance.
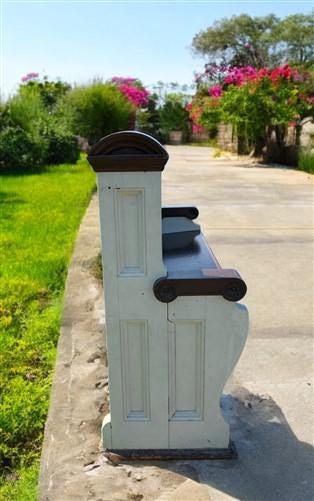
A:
(78, 398)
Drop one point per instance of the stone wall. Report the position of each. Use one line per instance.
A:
(288, 153)
(226, 139)
(307, 133)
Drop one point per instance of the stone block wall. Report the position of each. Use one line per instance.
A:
(226, 139)
(307, 134)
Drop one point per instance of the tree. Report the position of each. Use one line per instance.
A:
(240, 41)
(295, 34)
(258, 41)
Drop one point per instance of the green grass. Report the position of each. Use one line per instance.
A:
(21, 485)
(39, 218)
(211, 143)
(306, 161)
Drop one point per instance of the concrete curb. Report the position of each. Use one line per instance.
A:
(77, 405)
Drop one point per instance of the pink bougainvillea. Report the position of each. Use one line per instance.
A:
(198, 129)
(124, 80)
(262, 96)
(138, 97)
(224, 75)
(215, 91)
(133, 90)
(29, 76)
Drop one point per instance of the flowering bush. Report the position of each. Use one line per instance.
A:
(49, 91)
(29, 76)
(133, 90)
(253, 100)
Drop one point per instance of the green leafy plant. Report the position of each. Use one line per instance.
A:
(62, 145)
(173, 114)
(49, 91)
(31, 135)
(18, 150)
(306, 161)
(95, 110)
(258, 41)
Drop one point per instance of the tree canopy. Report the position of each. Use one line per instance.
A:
(258, 41)
(295, 36)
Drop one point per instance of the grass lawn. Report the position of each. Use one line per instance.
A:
(39, 216)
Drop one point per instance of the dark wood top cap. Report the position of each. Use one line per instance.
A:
(128, 151)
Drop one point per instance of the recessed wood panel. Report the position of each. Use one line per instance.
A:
(186, 357)
(135, 369)
(130, 231)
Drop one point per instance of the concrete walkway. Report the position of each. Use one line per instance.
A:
(258, 220)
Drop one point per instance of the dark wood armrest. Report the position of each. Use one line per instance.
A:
(194, 271)
(189, 211)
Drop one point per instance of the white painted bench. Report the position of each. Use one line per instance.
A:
(174, 330)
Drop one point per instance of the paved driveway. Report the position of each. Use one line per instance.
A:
(259, 220)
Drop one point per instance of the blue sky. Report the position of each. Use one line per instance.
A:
(79, 40)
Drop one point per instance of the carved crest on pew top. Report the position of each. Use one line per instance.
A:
(128, 151)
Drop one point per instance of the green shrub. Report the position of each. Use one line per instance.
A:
(62, 147)
(27, 111)
(49, 91)
(18, 150)
(95, 110)
(173, 114)
(30, 135)
(148, 120)
(306, 161)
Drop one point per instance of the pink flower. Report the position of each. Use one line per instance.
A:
(197, 129)
(138, 97)
(123, 80)
(133, 90)
(215, 91)
(29, 76)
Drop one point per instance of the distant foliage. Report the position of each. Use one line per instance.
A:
(49, 91)
(148, 120)
(306, 161)
(173, 114)
(31, 134)
(254, 101)
(17, 148)
(133, 90)
(95, 110)
(62, 146)
(45, 120)
(258, 41)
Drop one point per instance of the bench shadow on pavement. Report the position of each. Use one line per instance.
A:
(273, 464)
